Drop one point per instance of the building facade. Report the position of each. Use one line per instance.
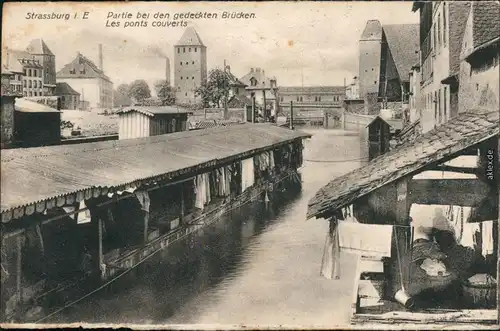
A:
(370, 52)
(95, 88)
(190, 67)
(27, 79)
(415, 97)
(42, 53)
(263, 88)
(70, 99)
(479, 68)
(309, 100)
(352, 90)
(442, 25)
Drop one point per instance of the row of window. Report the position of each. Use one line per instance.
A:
(438, 100)
(439, 30)
(32, 94)
(33, 72)
(186, 78)
(36, 83)
(316, 98)
(73, 71)
(192, 62)
(194, 49)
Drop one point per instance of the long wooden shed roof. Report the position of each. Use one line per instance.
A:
(33, 175)
(458, 134)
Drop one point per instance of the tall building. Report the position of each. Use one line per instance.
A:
(442, 26)
(95, 88)
(41, 52)
(386, 55)
(190, 65)
(27, 70)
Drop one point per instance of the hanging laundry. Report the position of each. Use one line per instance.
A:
(247, 174)
(330, 264)
(70, 210)
(84, 216)
(143, 197)
(366, 239)
(469, 229)
(487, 238)
(272, 165)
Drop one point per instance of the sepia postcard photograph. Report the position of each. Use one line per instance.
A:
(250, 165)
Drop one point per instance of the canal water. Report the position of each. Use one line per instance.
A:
(259, 265)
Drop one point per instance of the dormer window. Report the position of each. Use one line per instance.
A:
(82, 71)
(253, 81)
(72, 71)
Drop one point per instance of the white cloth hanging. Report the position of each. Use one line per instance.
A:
(365, 239)
(468, 234)
(143, 197)
(247, 174)
(487, 238)
(84, 216)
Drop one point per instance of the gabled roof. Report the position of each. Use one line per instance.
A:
(233, 80)
(486, 22)
(259, 75)
(27, 106)
(190, 38)
(39, 47)
(79, 64)
(39, 174)
(65, 89)
(16, 60)
(311, 89)
(239, 101)
(403, 41)
(151, 111)
(464, 131)
(372, 31)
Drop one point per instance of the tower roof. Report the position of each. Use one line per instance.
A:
(39, 47)
(190, 38)
(372, 31)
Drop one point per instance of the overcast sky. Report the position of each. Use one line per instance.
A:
(285, 38)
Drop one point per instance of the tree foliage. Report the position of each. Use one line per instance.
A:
(139, 90)
(123, 89)
(165, 93)
(215, 89)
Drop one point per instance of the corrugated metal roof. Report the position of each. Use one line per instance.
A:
(460, 133)
(31, 175)
(154, 110)
(27, 106)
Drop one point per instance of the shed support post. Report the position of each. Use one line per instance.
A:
(146, 222)
(264, 109)
(182, 202)
(100, 250)
(19, 288)
(402, 238)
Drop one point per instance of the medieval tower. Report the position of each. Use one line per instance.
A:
(190, 66)
(369, 59)
(47, 59)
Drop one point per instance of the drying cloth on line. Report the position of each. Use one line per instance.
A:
(365, 239)
(143, 197)
(468, 234)
(247, 174)
(330, 264)
(84, 216)
(487, 238)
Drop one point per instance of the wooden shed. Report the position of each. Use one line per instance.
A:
(146, 121)
(36, 124)
(379, 135)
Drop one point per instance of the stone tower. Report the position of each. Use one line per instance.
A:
(39, 49)
(370, 47)
(190, 66)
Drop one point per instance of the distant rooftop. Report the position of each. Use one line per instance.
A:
(151, 111)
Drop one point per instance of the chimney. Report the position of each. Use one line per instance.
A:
(228, 68)
(100, 57)
(251, 69)
(258, 69)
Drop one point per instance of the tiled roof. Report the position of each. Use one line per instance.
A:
(403, 41)
(190, 38)
(458, 13)
(65, 89)
(16, 60)
(79, 64)
(152, 111)
(486, 16)
(260, 77)
(233, 80)
(372, 31)
(39, 47)
(28, 106)
(466, 130)
(31, 175)
(311, 89)
(212, 124)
